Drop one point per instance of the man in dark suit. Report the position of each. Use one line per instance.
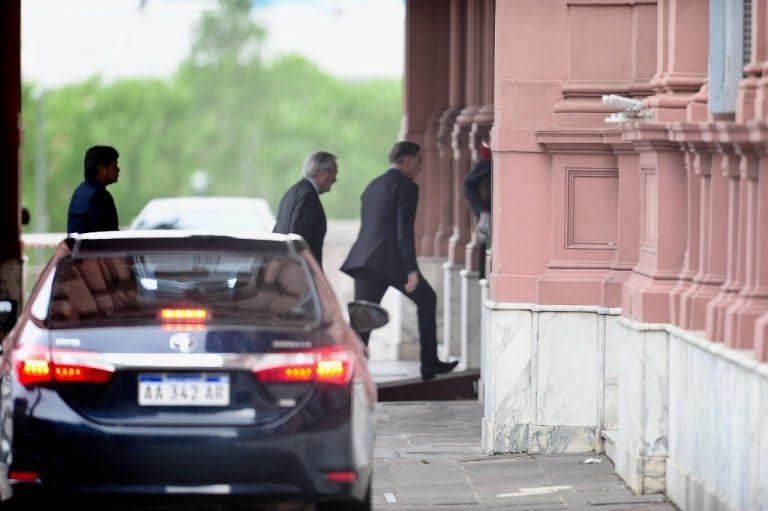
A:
(384, 253)
(92, 207)
(301, 211)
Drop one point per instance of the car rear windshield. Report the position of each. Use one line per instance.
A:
(210, 287)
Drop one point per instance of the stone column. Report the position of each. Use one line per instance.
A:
(429, 202)
(691, 257)
(452, 295)
(11, 268)
(761, 280)
(760, 42)
(712, 234)
(628, 234)
(425, 98)
(715, 321)
(682, 57)
(475, 252)
(752, 301)
(663, 204)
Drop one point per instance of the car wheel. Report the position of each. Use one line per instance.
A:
(348, 505)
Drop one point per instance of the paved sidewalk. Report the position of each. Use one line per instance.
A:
(428, 456)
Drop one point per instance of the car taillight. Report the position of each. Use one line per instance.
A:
(23, 476)
(341, 476)
(37, 364)
(328, 365)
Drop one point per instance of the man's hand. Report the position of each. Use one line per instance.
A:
(484, 227)
(413, 282)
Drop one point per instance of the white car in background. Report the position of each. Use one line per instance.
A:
(246, 214)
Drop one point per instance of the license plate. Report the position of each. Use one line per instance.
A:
(183, 389)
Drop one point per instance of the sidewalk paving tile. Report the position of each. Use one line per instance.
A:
(428, 457)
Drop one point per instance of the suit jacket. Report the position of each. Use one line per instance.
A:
(385, 248)
(476, 187)
(91, 209)
(301, 212)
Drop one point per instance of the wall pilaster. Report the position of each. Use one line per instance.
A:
(691, 255)
(752, 299)
(663, 237)
(711, 262)
(429, 204)
(682, 52)
(445, 182)
(715, 322)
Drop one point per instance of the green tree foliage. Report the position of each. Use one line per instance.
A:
(248, 123)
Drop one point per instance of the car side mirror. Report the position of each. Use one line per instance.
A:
(8, 314)
(366, 316)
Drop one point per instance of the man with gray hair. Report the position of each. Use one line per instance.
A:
(301, 211)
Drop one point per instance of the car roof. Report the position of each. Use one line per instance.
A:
(213, 201)
(165, 209)
(170, 239)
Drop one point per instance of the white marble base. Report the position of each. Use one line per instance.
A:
(485, 328)
(471, 307)
(642, 473)
(451, 311)
(691, 420)
(676, 413)
(642, 440)
(609, 443)
(690, 493)
(610, 387)
(506, 438)
(561, 439)
(543, 376)
(718, 425)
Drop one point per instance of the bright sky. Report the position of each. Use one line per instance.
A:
(68, 41)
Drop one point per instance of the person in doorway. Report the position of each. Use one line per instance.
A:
(300, 211)
(477, 192)
(384, 253)
(92, 207)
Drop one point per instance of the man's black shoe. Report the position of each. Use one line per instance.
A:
(429, 371)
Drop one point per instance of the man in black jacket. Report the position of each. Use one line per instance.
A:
(92, 207)
(384, 253)
(477, 191)
(301, 211)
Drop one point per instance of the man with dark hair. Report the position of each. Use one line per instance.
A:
(384, 253)
(300, 211)
(92, 207)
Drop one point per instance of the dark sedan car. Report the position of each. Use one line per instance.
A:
(187, 367)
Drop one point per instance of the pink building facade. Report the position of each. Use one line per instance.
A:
(625, 307)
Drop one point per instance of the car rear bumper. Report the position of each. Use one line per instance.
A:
(215, 462)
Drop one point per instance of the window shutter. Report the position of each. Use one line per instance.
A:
(728, 51)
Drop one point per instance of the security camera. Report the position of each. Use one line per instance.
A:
(631, 109)
(622, 103)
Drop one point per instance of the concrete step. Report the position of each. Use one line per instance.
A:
(456, 385)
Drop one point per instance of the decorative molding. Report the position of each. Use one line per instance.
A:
(650, 208)
(578, 197)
